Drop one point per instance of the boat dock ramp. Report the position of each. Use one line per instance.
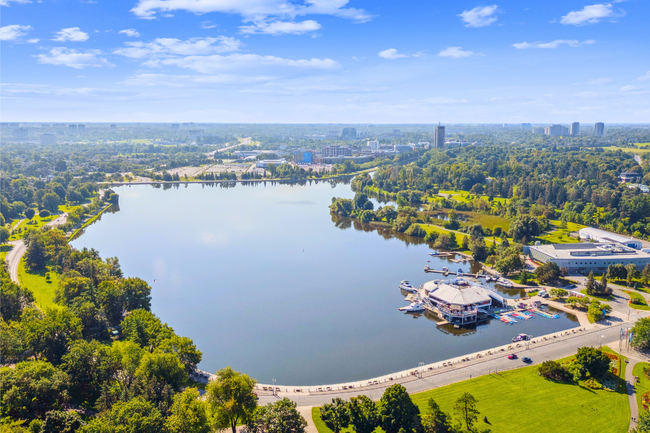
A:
(461, 274)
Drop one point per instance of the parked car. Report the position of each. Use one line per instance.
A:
(512, 356)
(526, 359)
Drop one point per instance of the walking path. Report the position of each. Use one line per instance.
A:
(631, 392)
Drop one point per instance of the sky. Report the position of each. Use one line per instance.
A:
(325, 61)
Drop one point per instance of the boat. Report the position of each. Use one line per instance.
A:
(459, 272)
(444, 269)
(414, 307)
(434, 254)
(489, 279)
(521, 337)
(504, 283)
(405, 285)
(460, 282)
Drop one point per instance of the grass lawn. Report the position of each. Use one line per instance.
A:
(643, 385)
(584, 292)
(466, 197)
(4, 249)
(43, 291)
(487, 221)
(26, 225)
(572, 227)
(634, 295)
(640, 149)
(429, 228)
(558, 237)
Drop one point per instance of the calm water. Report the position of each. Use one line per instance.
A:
(264, 280)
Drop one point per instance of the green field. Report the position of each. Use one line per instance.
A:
(466, 197)
(643, 385)
(26, 225)
(634, 295)
(520, 400)
(487, 221)
(558, 237)
(43, 291)
(640, 150)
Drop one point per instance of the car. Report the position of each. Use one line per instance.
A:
(526, 359)
(573, 286)
(512, 356)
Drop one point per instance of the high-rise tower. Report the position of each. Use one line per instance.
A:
(575, 128)
(439, 138)
(599, 129)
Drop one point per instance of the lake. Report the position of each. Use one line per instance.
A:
(263, 279)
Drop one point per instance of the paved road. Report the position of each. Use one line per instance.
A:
(18, 251)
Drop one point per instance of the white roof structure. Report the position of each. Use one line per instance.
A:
(604, 236)
(457, 295)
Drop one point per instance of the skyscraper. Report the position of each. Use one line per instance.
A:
(439, 138)
(599, 129)
(575, 128)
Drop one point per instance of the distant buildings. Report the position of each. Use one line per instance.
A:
(575, 128)
(349, 133)
(175, 126)
(47, 139)
(81, 128)
(630, 177)
(303, 156)
(373, 145)
(599, 129)
(439, 137)
(329, 151)
(333, 134)
(21, 133)
(72, 128)
(538, 130)
(266, 162)
(193, 134)
(598, 235)
(113, 127)
(525, 125)
(556, 130)
(585, 257)
(402, 148)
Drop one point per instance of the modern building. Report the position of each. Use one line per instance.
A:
(373, 145)
(598, 235)
(81, 128)
(336, 151)
(439, 137)
(349, 133)
(538, 130)
(458, 143)
(266, 162)
(630, 177)
(460, 303)
(402, 148)
(599, 129)
(303, 156)
(575, 128)
(556, 130)
(193, 134)
(333, 134)
(47, 139)
(585, 257)
(72, 128)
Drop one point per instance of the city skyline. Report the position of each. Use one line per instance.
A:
(325, 62)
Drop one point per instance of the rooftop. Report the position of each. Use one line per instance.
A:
(588, 249)
(457, 295)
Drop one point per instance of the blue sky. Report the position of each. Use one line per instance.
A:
(322, 61)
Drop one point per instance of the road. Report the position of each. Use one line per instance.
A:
(244, 141)
(18, 251)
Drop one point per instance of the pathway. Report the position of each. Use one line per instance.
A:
(631, 391)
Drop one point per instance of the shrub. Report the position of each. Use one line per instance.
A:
(592, 383)
(555, 371)
(44, 213)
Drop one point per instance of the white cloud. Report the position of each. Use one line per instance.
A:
(629, 88)
(553, 44)
(591, 14)
(252, 10)
(217, 63)
(391, 54)
(6, 2)
(600, 81)
(132, 33)
(281, 27)
(155, 80)
(456, 52)
(169, 47)
(645, 77)
(71, 34)
(479, 16)
(62, 56)
(13, 32)
(207, 25)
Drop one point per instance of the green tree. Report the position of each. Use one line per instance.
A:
(548, 273)
(643, 426)
(335, 415)
(58, 421)
(90, 364)
(137, 294)
(364, 415)
(35, 256)
(185, 350)
(279, 417)
(397, 411)
(593, 360)
(13, 299)
(51, 201)
(641, 334)
(231, 398)
(5, 234)
(436, 421)
(31, 389)
(632, 273)
(189, 413)
(509, 261)
(134, 416)
(144, 328)
(50, 335)
(479, 249)
(466, 411)
(29, 213)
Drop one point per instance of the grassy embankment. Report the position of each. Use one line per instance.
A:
(43, 290)
(643, 385)
(520, 400)
(634, 295)
(89, 221)
(558, 235)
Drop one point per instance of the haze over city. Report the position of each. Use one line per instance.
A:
(325, 61)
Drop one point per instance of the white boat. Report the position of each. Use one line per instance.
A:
(414, 307)
(504, 283)
(460, 282)
(521, 337)
(405, 285)
(434, 254)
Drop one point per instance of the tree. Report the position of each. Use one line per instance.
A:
(137, 294)
(436, 421)
(591, 283)
(466, 410)
(279, 417)
(548, 273)
(453, 243)
(641, 334)
(185, 350)
(416, 231)
(397, 411)
(364, 416)
(442, 242)
(632, 273)
(135, 415)
(643, 426)
(509, 261)
(231, 398)
(616, 272)
(51, 201)
(144, 328)
(524, 228)
(479, 249)
(465, 243)
(90, 364)
(60, 165)
(555, 371)
(594, 361)
(13, 299)
(189, 413)
(58, 421)
(31, 389)
(335, 415)
(5, 234)
(35, 256)
(50, 335)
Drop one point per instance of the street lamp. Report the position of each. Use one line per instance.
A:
(273, 380)
(421, 368)
(601, 341)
